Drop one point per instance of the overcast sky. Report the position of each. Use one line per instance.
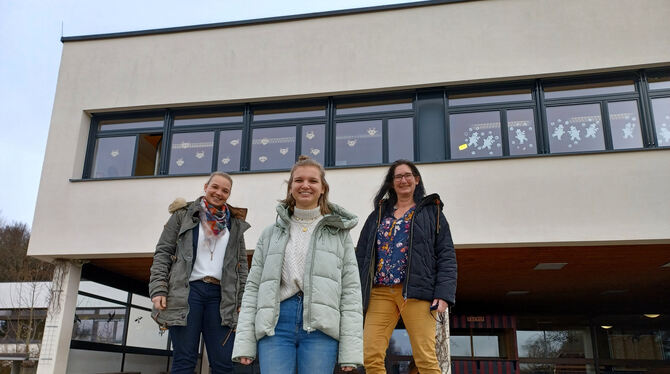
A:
(30, 51)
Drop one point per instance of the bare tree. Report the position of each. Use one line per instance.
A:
(23, 323)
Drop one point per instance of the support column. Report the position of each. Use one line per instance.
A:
(60, 318)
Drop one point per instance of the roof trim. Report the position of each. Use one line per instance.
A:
(259, 21)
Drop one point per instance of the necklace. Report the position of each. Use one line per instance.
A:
(304, 223)
(211, 248)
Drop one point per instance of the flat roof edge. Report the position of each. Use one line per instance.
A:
(259, 21)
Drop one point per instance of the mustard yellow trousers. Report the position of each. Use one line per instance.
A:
(386, 306)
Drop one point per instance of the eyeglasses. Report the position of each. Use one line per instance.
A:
(406, 176)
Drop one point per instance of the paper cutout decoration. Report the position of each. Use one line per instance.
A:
(114, 153)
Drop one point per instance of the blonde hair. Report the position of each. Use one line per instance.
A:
(323, 199)
(220, 174)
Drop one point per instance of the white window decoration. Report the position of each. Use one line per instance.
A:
(262, 158)
(225, 160)
(114, 153)
(180, 162)
(310, 135)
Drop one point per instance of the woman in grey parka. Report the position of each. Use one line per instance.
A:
(302, 306)
(198, 276)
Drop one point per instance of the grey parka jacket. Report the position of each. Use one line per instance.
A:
(173, 262)
(332, 288)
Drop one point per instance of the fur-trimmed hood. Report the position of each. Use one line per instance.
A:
(181, 203)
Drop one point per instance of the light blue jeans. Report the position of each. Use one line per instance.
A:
(292, 347)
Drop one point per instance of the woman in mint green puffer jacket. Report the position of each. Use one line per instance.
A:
(303, 285)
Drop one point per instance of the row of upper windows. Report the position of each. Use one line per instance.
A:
(541, 117)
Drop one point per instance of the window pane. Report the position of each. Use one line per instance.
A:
(208, 119)
(636, 344)
(486, 346)
(191, 153)
(531, 344)
(401, 139)
(358, 143)
(98, 321)
(376, 106)
(521, 137)
(144, 332)
(575, 128)
(314, 142)
(101, 289)
(144, 363)
(148, 154)
(661, 108)
(399, 344)
(489, 97)
(113, 157)
(273, 148)
(659, 83)
(605, 88)
(554, 344)
(87, 361)
(475, 135)
(288, 113)
(230, 150)
(130, 124)
(460, 346)
(625, 124)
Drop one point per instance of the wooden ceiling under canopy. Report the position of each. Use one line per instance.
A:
(598, 279)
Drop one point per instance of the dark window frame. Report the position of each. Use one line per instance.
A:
(538, 104)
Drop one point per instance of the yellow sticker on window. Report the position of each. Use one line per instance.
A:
(462, 147)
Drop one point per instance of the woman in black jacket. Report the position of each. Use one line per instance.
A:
(407, 265)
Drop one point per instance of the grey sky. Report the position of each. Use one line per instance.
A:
(30, 50)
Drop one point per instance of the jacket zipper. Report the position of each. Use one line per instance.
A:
(311, 269)
(409, 258)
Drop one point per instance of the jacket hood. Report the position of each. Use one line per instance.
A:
(180, 203)
(431, 199)
(338, 217)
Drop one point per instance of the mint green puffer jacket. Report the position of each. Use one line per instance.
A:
(332, 288)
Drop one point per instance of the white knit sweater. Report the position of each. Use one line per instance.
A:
(303, 223)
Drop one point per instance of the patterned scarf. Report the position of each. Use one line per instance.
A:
(215, 220)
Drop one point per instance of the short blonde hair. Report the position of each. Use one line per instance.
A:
(323, 199)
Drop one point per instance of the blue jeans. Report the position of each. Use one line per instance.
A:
(292, 347)
(203, 317)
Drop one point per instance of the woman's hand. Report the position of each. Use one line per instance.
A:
(246, 360)
(160, 302)
(441, 305)
(347, 368)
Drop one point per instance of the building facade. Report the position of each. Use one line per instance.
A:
(544, 126)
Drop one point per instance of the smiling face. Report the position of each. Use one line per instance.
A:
(217, 191)
(404, 181)
(306, 187)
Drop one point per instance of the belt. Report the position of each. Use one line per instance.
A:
(212, 280)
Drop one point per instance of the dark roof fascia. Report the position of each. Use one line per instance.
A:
(259, 21)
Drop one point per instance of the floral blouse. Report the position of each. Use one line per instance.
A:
(392, 249)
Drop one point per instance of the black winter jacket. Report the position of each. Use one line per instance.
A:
(431, 272)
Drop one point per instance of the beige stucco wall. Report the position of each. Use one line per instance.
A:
(616, 197)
